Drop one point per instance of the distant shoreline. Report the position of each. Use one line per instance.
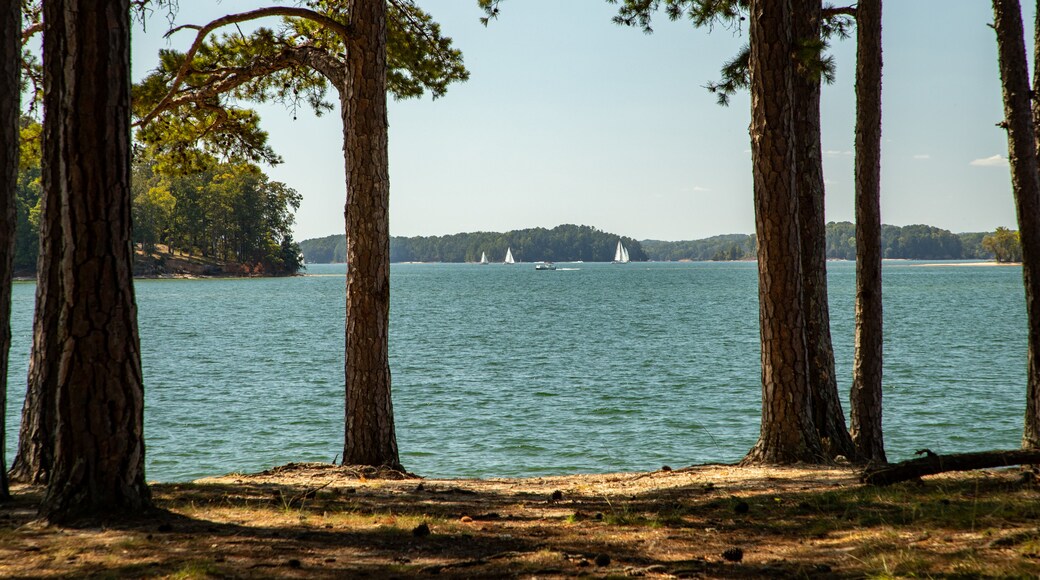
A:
(967, 264)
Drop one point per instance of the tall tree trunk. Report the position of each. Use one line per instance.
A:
(98, 461)
(788, 434)
(865, 398)
(1025, 181)
(370, 436)
(35, 455)
(10, 61)
(828, 415)
(1028, 207)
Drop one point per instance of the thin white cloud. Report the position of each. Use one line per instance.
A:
(922, 156)
(995, 161)
(699, 188)
(836, 153)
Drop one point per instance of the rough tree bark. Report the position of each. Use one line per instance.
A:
(865, 398)
(10, 60)
(788, 434)
(1026, 184)
(32, 464)
(98, 463)
(370, 436)
(361, 80)
(828, 415)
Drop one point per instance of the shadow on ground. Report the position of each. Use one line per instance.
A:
(667, 524)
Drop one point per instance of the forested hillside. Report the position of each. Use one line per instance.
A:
(719, 248)
(222, 211)
(565, 243)
(913, 242)
(569, 242)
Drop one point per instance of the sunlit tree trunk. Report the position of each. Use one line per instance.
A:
(1025, 181)
(865, 398)
(98, 463)
(828, 415)
(10, 59)
(788, 434)
(370, 436)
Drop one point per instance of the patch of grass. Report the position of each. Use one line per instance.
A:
(897, 563)
(963, 526)
(1029, 548)
(196, 569)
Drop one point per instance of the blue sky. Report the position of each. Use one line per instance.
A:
(569, 118)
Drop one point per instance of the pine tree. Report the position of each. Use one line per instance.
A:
(788, 434)
(1021, 112)
(10, 87)
(828, 416)
(361, 49)
(811, 25)
(97, 465)
(865, 398)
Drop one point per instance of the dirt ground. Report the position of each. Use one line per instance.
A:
(326, 521)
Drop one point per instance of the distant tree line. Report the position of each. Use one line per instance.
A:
(565, 243)
(913, 242)
(568, 242)
(717, 248)
(224, 210)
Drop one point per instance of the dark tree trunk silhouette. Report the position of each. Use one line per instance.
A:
(1025, 181)
(865, 398)
(828, 415)
(32, 464)
(370, 436)
(788, 434)
(97, 466)
(10, 62)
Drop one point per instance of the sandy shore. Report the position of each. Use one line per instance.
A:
(713, 521)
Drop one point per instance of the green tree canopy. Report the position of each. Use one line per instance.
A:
(1004, 244)
(563, 243)
(192, 105)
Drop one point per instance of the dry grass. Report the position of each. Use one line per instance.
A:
(334, 522)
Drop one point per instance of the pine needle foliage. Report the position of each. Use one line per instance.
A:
(293, 64)
(809, 53)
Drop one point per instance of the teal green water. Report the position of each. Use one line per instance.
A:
(505, 371)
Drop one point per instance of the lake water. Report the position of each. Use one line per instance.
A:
(505, 371)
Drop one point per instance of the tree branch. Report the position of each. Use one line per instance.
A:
(231, 79)
(31, 31)
(832, 11)
(933, 464)
(341, 30)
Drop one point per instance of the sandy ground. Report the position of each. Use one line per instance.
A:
(325, 521)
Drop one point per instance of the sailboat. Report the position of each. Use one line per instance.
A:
(483, 259)
(620, 254)
(509, 256)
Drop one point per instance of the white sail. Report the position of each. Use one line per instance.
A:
(620, 254)
(509, 256)
(483, 258)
